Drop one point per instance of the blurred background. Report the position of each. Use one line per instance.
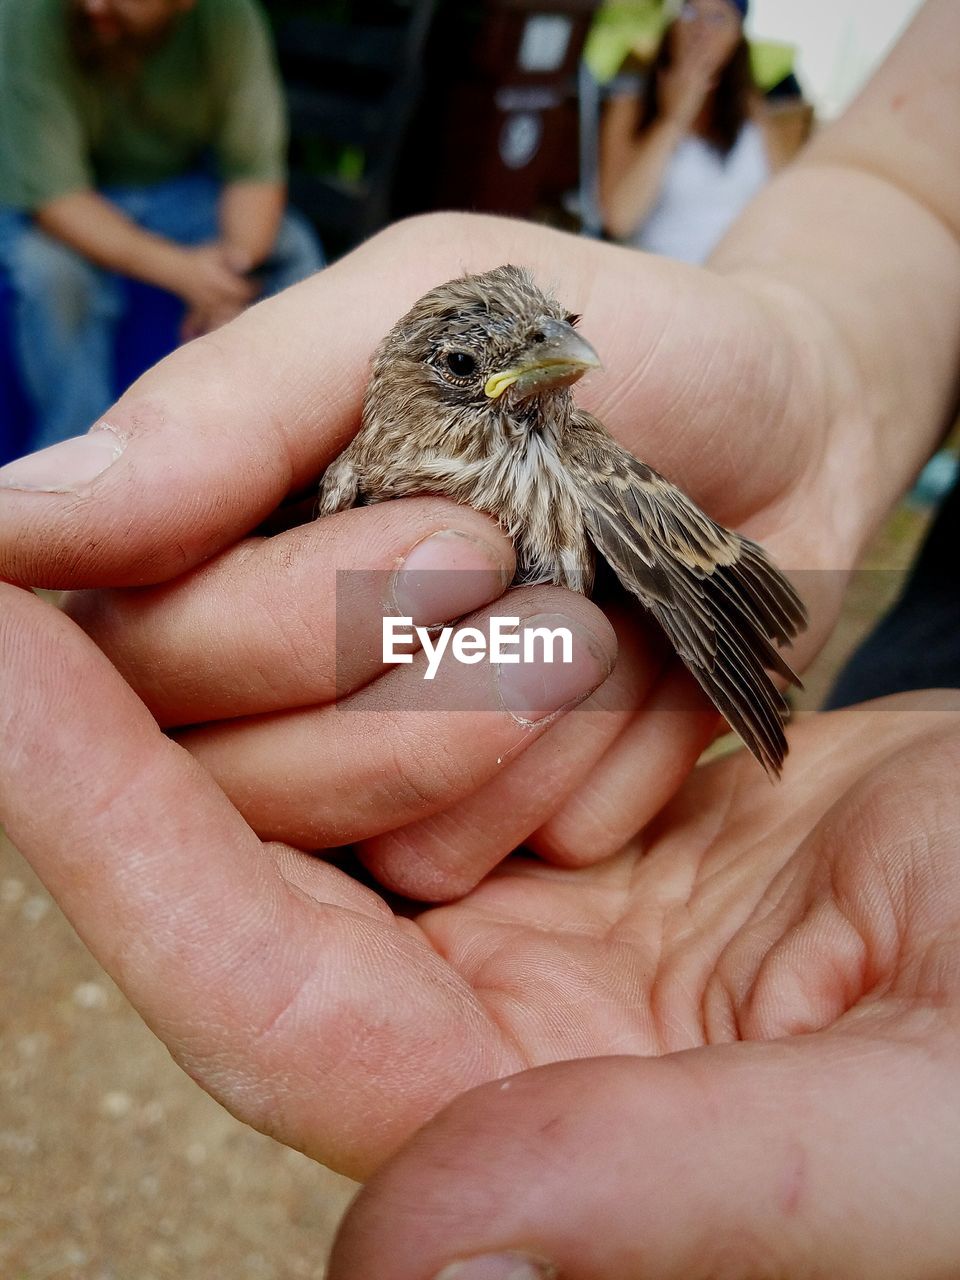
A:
(400, 106)
(113, 1165)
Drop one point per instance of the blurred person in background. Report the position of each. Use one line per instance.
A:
(681, 159)
(143, 139)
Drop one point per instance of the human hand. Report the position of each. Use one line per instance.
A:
(774, 970)
(203, 319)
(775, 978)
(219, 434)
(211, 286)
(682, 87)
(196, 323)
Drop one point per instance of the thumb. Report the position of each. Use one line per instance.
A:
(779, 1159)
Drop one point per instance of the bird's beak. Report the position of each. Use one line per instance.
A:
(556, 357)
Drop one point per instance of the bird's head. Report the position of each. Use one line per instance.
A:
(479, 342)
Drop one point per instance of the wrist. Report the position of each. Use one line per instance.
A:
(249, 218)
(169, 266)
(841, 491)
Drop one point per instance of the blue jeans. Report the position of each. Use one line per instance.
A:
(65, 310)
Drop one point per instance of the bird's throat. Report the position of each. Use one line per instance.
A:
(545, 416)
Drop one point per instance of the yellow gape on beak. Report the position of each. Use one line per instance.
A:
(497, 383)
(555, 357)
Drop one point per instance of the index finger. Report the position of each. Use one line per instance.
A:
(274, 978)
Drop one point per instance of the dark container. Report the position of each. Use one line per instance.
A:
(497, 128)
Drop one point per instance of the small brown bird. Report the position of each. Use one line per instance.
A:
(469, 398)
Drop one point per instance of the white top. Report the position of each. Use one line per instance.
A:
(703, 192)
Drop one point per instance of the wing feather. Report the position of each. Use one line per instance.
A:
(722, 602)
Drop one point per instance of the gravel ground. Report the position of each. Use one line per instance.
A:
(113, 1164)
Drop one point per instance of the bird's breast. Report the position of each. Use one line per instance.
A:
(517, 476)
(533, 496)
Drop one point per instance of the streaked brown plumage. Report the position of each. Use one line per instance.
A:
(469, 398)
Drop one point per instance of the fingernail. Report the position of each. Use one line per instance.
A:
(499, 1266)
(533, 690)
(66, 467)
(447, 575)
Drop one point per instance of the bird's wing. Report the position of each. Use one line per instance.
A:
(717, 595)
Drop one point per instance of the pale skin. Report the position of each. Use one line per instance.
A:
(725, 1142)
(210, 278)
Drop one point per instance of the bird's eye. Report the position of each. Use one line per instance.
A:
(461, 363)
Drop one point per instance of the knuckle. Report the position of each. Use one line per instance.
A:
(581, 834)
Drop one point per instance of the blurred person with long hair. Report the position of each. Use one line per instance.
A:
(680, 159)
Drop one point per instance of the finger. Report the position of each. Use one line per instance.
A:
(191, 326)
(206, 444)
(641, 770)
(445, 855)
(284, 987)
(830, 1153)
(237, 290)
(575, 797)
(405, 746)
(230, 291)
(237, 258)
(296, 619)
(816, 1158)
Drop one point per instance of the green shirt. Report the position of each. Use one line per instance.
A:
(211, 89)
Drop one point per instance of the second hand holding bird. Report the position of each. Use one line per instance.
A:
(469, 398)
